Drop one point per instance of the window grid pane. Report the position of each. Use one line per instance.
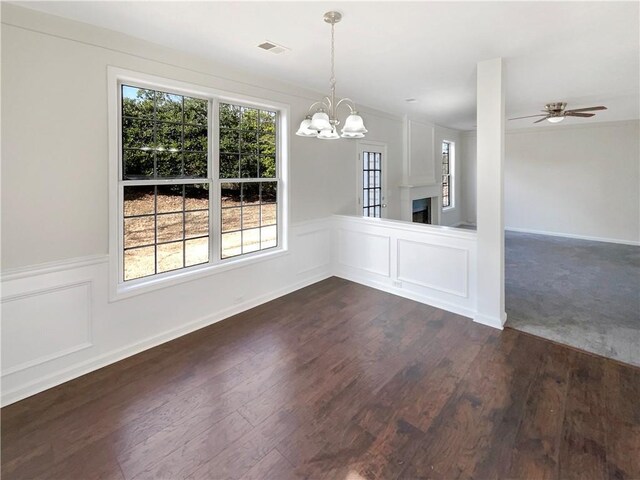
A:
(159, 220)
(371, 184)
(249, 221)
(247, 142)
(247, 152)
(163, 135)
(446, 174)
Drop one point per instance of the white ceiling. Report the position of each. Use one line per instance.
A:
(584, 53)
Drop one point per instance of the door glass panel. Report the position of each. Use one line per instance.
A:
(371, 184)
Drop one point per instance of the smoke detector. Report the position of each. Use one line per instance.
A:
(272, 47)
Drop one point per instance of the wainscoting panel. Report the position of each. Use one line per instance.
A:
(428, 263)
(42, 325)
(364, 251)
(437, 267)
(312, 252)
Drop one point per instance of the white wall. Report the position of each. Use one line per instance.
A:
(580, 180)
(57, 321)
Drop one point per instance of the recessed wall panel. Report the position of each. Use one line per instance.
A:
(432, 266)
(314, 251)
(364, 251)
(44, 325)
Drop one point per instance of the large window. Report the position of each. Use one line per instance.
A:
(199, 180)
(447, 174)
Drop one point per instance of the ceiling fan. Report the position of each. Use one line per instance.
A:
(555, 112)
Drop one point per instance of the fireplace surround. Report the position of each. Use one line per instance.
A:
(412, 197)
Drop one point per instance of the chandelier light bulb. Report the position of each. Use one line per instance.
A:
(305, 130)
(320, 121)
(354, 124)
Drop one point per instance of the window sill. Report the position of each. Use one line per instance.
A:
(448, 209)
(133, 288)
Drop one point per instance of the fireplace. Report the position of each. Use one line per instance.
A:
(421, 210)
(420, 203)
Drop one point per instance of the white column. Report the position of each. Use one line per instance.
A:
(491, 121)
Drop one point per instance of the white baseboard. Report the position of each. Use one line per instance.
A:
(571, 235)
(59, 377)
(490, 321)
(434, 302)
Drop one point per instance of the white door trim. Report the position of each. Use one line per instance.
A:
(377, 147)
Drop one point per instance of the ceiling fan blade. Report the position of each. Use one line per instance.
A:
(541, 120)
(586, 109)
(576, 114)
(529, 116)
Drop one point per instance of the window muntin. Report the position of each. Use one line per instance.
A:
(165, 189)
(249, 217)
(171, 193)
(248, 180)
(163, 135)
(371, 184)
(166, 227)
(447, 169)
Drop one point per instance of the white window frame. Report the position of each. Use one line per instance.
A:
(118, 288)
(378, 147)
(452, 174)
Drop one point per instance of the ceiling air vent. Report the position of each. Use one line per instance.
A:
(272, 47)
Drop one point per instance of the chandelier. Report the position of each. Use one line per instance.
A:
(323, 123)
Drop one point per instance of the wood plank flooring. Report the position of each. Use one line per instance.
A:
(336, 381)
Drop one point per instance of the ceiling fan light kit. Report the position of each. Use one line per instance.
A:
(323, 122)
(556, 112)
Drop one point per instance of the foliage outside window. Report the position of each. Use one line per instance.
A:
(168, 182)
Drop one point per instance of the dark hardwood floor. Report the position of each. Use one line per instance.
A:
(336, 381)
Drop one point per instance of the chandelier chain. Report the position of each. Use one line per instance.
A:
(332, 80)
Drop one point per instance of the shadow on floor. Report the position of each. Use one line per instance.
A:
(580, 293)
